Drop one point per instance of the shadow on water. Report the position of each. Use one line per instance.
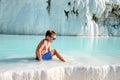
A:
(17, 60)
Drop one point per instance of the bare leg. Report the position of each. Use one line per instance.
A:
(55, 52)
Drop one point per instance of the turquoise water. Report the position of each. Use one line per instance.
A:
(84, 50)
(88, 58)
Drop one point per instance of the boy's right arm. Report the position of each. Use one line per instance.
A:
(40, 51)
(40, 57)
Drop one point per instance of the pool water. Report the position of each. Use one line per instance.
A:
(88, 58)
(81, 50)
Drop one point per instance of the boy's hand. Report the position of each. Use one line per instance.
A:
(40, 59)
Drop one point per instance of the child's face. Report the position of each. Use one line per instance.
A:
(51, 38)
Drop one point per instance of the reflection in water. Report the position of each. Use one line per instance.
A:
(16, 60)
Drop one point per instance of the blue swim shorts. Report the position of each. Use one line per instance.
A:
(47, 56)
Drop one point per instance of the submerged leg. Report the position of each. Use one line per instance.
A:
(55, 52)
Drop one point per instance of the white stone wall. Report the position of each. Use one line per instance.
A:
(66, 17)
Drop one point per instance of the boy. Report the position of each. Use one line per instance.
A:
(43, 49)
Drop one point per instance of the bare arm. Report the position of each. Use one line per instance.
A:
(40, 51)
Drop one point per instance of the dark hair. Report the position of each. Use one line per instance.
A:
(50, 33)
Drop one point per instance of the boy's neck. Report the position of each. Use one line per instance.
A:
(47, 40)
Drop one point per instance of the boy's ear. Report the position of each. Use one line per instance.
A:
(47, 36)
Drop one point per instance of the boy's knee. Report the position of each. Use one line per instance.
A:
(55, 51)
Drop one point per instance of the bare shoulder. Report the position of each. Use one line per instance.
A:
(43, 42)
